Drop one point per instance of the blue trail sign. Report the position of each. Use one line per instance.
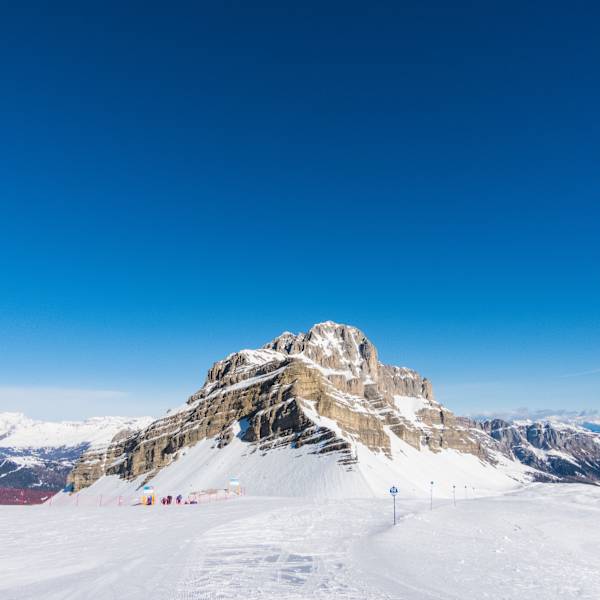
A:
(393, 492)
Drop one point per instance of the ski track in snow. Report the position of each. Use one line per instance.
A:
(274, 557)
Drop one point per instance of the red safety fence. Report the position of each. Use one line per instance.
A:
(23, 496)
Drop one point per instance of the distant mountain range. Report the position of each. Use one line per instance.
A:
(318, 414)
(564, 451)
(40, 454)
(588, 419)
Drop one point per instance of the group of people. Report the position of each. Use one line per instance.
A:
(169, 500)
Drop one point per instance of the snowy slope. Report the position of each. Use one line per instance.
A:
(537, 543)
(288, 471)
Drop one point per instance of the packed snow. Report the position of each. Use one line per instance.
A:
(540, 541)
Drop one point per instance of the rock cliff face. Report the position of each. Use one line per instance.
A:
(324, 390)
(559, 451)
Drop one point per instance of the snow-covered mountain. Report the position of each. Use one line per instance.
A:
(40, 454)
(587, 419)
(317, 414)
(309, 414)
(564, 451)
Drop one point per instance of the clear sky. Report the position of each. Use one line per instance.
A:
(181, 183)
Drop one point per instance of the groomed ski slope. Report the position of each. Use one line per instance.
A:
(298, 472)
(538, 542)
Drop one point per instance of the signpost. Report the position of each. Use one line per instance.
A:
(454, 494)
(234, 485)
(431, 497)
(148, 496)
(393, 492)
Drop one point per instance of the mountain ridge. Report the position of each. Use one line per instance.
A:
(322, 394)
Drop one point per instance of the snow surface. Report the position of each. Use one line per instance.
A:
(254, 358)
(19, 431)
(409, 406)
(540, 542)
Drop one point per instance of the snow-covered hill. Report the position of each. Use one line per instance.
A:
(40, 454)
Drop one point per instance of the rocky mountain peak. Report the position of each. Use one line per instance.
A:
(342, 354)
(322, 395)
(341, 349)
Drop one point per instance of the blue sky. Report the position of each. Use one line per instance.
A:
(175, 186)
